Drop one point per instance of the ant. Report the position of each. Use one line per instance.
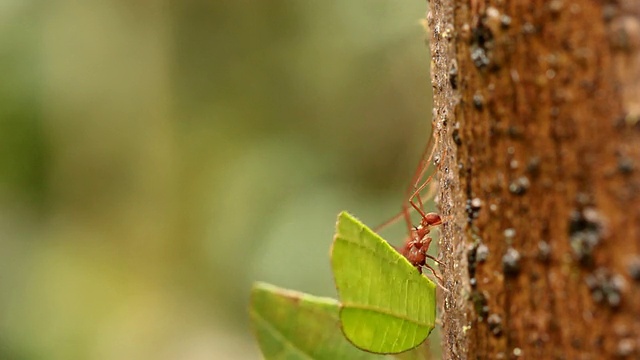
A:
(417, 244)
(416, 247)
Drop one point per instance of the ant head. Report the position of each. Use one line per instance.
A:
(432, 219)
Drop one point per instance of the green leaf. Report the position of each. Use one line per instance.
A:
(293, 325)
(387, 305)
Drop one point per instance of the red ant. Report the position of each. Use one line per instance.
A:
(417, 244)
(416, 247)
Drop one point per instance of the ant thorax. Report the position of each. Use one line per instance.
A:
(418, 233)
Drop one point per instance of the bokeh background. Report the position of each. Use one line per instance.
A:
(158, 156)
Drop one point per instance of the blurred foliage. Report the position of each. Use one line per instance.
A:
(292, 325)
(158, 156)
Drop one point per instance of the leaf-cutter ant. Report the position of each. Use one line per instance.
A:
(416, 246)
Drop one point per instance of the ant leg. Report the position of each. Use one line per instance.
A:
(422, 169)
(407, 218)
(419, 189)
(416, 194)
(430, 186)
(418, 209)
(434, 259)
(420, 203)
(424, 163)
(392, 220)
(389, 222)
(424, 166)
(439, 281)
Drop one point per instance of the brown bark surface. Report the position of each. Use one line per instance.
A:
(537, 113)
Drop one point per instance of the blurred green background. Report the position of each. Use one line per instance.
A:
(157, 157)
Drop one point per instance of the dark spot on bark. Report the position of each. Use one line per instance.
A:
(535, 276)
(473, 258)
(495, 324)
(583, 199)
(511, 262)
(515, 132)
(609, 11)
(605, 287)
(456, 137)
(623, 34)
(620, 122)
(479, 57)
(516, 189)
(479, 304)
(519, 186)
(555, 6)
(471, 261)
(509, 234)
(576, 343)
(582, 244)
(473, 208)
(584, 235)
(505, 21)
(481, 43)
(613, 299)
(544, 251)
(533, 166)
(625, 165)
(482, 253)
(481, 35)
(634, 268)
(528, 28)
(453, 76)
(478, 101)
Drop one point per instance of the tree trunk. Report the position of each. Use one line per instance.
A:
(537, 113)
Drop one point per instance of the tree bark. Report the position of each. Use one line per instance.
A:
(537, 116)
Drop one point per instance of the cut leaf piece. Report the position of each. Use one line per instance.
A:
(293, 325)
(387, 305)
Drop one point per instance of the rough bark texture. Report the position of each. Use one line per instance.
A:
(537, 109)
